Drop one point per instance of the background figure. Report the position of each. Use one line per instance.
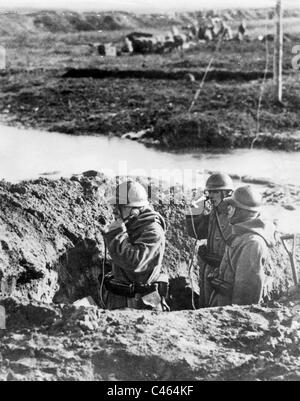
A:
(242, 31)
(241, 276)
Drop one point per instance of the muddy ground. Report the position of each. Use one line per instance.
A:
(51, 255)
(114, 96)
(68, 343)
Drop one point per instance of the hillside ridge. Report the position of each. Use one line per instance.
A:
(33, 22)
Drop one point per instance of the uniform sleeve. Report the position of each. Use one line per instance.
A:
(135, 256)
(249, 276)
(197, 226)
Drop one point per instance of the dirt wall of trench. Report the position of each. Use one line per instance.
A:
(51, 249)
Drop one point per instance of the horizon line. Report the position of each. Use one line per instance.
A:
(146, 9)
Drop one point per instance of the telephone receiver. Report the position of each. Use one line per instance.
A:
(134, 213)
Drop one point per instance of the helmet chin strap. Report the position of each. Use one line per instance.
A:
(224, 194)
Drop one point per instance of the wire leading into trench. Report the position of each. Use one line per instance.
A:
(103, 274)
(196, 96)
(262, 90)
(192, 257)
(198, 92)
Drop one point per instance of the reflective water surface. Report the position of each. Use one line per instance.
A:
(26, 154)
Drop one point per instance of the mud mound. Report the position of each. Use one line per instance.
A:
(204, 130)
(68, 343)
(40, 221)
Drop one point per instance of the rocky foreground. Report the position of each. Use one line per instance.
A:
(67, 343)
(51, 255)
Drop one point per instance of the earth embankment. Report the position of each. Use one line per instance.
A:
(51, 253)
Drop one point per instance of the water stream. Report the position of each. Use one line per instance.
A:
(28, 154)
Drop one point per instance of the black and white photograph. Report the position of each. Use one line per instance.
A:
(150, 193)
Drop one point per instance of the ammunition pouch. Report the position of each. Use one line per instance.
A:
(117, 287)
(130, 290)
(222, 287)
(212, 259)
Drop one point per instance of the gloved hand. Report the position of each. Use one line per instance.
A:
(115, 225)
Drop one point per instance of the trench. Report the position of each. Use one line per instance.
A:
(79, 272)
(47, 219)
(214, 74)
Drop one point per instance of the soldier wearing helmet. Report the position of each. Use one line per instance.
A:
(208, 220)
(241, 276)
(136, 244)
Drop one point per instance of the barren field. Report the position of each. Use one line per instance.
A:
(113, 96)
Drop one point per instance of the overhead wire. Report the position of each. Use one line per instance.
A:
(198, 92)
(262, 90)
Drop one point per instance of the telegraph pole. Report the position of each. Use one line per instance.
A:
(278, 50)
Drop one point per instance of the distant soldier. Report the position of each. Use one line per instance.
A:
(208, 34)
(208, 220)
(227, 32)
(202, 27)
(193, 30)
(128, 46)
(242, 31)
(241, 278)
(175, 31)
(169, 43)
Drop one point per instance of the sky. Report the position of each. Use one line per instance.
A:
(142, 5)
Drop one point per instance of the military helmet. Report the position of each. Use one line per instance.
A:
(246, 198)
(129, 193)
(219, 182)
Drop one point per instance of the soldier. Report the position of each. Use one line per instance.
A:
(241, 31)
(136, 244)
(241, 278)
(209, 221)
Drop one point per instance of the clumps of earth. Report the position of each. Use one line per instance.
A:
(51, 255)
(64, 342)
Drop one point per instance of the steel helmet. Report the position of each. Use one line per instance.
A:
(219, 182)
(246, 198)
(130, 193)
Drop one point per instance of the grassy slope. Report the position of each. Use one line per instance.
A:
(69, 21)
